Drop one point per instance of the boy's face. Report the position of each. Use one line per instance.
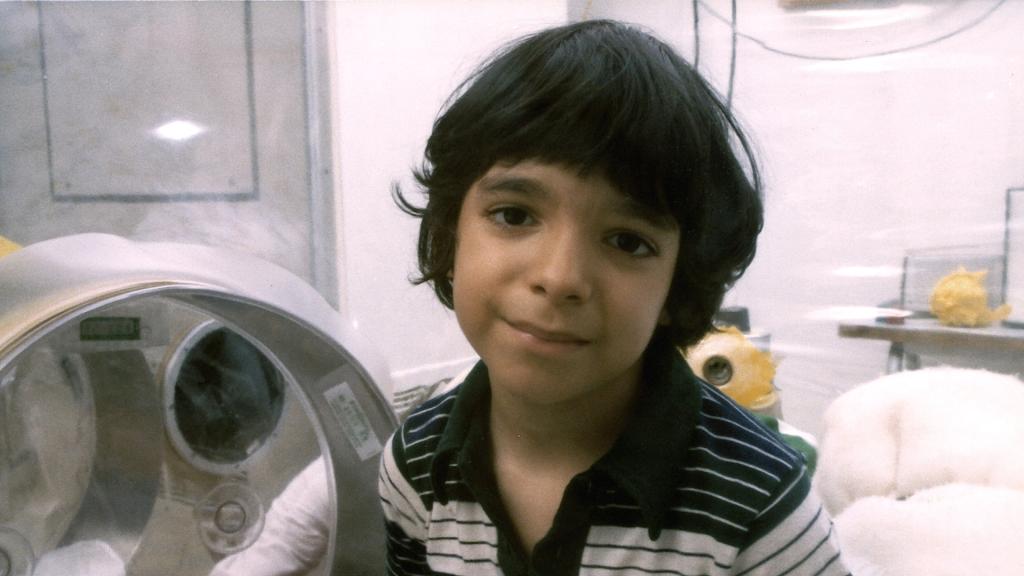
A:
(559, 281)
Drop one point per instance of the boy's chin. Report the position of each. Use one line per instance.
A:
(554, 386)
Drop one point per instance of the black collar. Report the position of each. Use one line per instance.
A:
(643, 462)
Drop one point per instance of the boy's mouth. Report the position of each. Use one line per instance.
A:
(548, 335)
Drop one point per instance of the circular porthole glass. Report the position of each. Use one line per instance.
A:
(225, 398)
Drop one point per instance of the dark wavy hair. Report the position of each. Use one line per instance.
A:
(602, 97)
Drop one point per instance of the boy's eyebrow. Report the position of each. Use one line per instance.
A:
(663, 220)
(512, 183)
(531, 187)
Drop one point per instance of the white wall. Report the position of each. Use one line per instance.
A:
(396, 63)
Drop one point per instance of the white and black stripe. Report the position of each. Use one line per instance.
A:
(742, 504)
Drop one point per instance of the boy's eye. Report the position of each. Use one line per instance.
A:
(632, 244)
(510, 216)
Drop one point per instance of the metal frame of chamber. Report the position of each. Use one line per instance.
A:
(152, 296)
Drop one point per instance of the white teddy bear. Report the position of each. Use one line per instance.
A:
(923, 472)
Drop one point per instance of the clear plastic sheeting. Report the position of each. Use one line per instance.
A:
(178, 121)
(153, 411)
(851, 29)
(890, 135)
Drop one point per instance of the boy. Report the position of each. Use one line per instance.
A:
(585, 215)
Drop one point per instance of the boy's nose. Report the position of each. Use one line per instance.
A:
(562, 269)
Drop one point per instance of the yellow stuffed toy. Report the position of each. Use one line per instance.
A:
(745, 373)
(960, 299)
(6, 246)
(728, 360)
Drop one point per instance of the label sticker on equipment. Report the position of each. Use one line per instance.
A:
(353, 420)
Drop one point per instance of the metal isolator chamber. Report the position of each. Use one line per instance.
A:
(178, 409)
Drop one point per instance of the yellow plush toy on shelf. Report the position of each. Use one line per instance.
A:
(960, 299)
(729, 360)
(6, 246)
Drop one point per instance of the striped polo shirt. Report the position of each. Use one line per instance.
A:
(693, 486)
